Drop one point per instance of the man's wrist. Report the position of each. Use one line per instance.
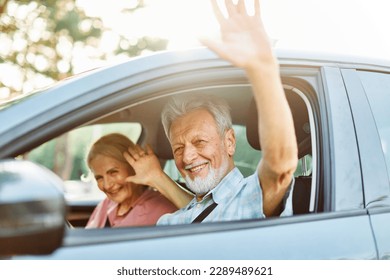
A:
(261, 69)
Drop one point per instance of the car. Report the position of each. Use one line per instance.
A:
(341, 195)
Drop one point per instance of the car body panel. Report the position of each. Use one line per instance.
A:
(380, 218)
(341, 153)
(326, 236)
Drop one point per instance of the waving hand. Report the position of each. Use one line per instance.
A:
(243, 39)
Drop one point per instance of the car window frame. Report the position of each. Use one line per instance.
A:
(374, 170)
(343, 187)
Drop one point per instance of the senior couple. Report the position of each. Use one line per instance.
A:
(203, 144)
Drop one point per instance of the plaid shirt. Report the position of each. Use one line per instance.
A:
(237, 197)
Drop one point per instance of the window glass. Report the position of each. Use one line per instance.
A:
(245, 158)
(305, 167)
(65, 156)
(377, 88)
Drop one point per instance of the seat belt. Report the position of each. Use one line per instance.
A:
(204, 213)
(107, 224)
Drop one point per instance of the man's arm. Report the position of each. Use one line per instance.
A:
(244, 43)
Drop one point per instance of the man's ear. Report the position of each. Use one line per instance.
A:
(230, 142)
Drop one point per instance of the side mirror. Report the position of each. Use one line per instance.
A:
(32, 209)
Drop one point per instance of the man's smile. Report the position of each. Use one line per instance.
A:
(197, 167)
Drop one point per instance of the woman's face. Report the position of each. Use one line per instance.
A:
(110, 175)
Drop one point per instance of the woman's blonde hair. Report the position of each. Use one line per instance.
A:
(111, 145)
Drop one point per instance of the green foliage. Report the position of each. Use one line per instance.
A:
(75, 146)
(40, 155)
(245, 158)
(40, 39)
(144, 43)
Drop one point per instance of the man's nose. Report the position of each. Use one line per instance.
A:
(189, 154)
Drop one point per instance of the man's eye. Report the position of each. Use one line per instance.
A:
(178, 150)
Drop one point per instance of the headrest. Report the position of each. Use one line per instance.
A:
(301, 123)
(163, 147)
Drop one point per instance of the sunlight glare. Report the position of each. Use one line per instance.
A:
(179, 21)
(356, 26)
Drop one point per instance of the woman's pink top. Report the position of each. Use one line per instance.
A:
(146, 210)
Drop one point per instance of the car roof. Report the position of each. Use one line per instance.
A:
(170, 57)
(322, 58)
(77, 92)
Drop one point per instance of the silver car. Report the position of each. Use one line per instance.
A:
(341, 196)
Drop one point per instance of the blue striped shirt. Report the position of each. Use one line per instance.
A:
(237, 197)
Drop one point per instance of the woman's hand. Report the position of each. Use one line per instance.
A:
(148, 172)
(145, 164)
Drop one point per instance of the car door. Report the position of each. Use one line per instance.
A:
(369, 92)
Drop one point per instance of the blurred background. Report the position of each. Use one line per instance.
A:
(45, 41)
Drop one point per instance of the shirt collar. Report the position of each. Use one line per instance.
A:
(226, 188)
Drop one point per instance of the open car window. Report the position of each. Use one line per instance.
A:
(65, 156)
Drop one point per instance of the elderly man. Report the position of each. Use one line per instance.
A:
(203, 141)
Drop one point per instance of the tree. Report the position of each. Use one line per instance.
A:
(39, 43)
(40, 40)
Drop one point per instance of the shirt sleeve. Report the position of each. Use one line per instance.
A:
(98, 216)
(288, 201)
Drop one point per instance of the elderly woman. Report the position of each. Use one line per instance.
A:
(127, 203)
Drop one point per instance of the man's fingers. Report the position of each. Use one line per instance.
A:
(257, 8)
(217, 11)
(241, 7)
(231, 8)
(216, 46)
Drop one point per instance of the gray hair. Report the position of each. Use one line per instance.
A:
(178, 107)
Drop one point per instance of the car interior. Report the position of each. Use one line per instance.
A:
(145, 114)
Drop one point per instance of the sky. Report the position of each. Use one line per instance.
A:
(345, 26)
(357, 27)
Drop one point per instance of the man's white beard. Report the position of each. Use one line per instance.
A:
(202, 186)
